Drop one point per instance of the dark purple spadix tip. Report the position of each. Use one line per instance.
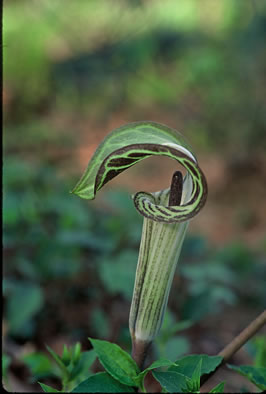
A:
(176, 189)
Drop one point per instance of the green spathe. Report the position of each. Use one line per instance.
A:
(158, 256)
(129, 144)
(137, 133)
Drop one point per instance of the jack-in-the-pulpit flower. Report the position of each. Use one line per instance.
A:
(158, 256)
(166, 215)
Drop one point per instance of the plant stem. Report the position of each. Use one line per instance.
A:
(139, 352)
(238, 342)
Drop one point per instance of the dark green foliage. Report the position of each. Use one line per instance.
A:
(6, 360)
(209, 284)
(102, 382)
(117, 273)
(24, 302)
(181, 376)
(122, 374)
(188, 364)
(48, 235)
(47, 238)
(260, 354)
(48, 389)
(256, 375)
(172, 382)
(73, 365)
(39, 365)
(185, 375)
(168, 344)
(219, 388)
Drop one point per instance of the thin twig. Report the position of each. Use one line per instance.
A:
(243, 337)
(237, 343)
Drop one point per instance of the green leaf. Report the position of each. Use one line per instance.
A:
(39, 364)
(195, 379)
(80, 370)
(48, 389)
(99, 322)
(175, 347)
(160, 363)
(219, 388)
(191, 387)
(181, 325)
(187, 365)
(102, 382)
(58, 360)
(66, 356)
(178, 382)
(115, 277)
(76, 353)
(116, 361)
(6, 361)
(173, 382)
(260, 344)
(256, 375)
(22, 305)
(154, 365)
(172, 347)
(129, 144)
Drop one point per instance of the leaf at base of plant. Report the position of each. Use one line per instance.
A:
(173, 382)
(256, 375)
(48, 389)
(102, 382)
(219, 388)
(187, 365)
(116, 361)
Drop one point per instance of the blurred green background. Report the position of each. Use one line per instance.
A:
(73, 71)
